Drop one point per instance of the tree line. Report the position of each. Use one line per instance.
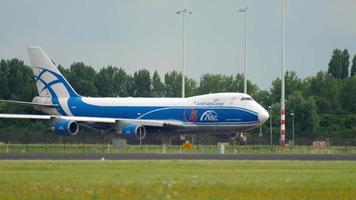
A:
(324, 105)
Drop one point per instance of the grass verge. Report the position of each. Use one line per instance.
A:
(177, 180)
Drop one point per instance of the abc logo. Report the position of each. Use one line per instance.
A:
(210, 116)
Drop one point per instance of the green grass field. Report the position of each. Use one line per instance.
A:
(177, 180)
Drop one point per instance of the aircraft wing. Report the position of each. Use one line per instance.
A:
(119, 121)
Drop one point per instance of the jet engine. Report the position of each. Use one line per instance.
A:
(134, 130)
(65, 127)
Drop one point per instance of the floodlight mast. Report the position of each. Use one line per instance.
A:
(244, 10)
(183, 12)
(283, 111)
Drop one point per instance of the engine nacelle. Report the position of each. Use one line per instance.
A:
(134, 130)
(65, 127)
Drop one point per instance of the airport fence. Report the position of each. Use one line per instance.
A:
(211, 149)
(89, 142)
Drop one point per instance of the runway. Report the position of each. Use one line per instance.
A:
(168, 156)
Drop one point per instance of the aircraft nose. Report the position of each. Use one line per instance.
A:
(263, 115)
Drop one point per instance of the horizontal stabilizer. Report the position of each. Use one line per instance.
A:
(25, 103)
(24, 116)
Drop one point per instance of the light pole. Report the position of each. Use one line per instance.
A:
(292, 114)
(183, 12)
(260, 134)
(244, 10)
(270, 124)
(283, 111)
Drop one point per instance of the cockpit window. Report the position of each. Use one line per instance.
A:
(246, 99)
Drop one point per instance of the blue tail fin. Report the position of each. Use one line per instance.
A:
(49, 80)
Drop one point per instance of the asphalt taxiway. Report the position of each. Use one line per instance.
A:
(169, 156)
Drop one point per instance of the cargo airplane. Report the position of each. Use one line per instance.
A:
(209, 113)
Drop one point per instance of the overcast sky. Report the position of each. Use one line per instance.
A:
(136, 34)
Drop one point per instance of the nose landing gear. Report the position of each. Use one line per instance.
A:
(234, 138)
